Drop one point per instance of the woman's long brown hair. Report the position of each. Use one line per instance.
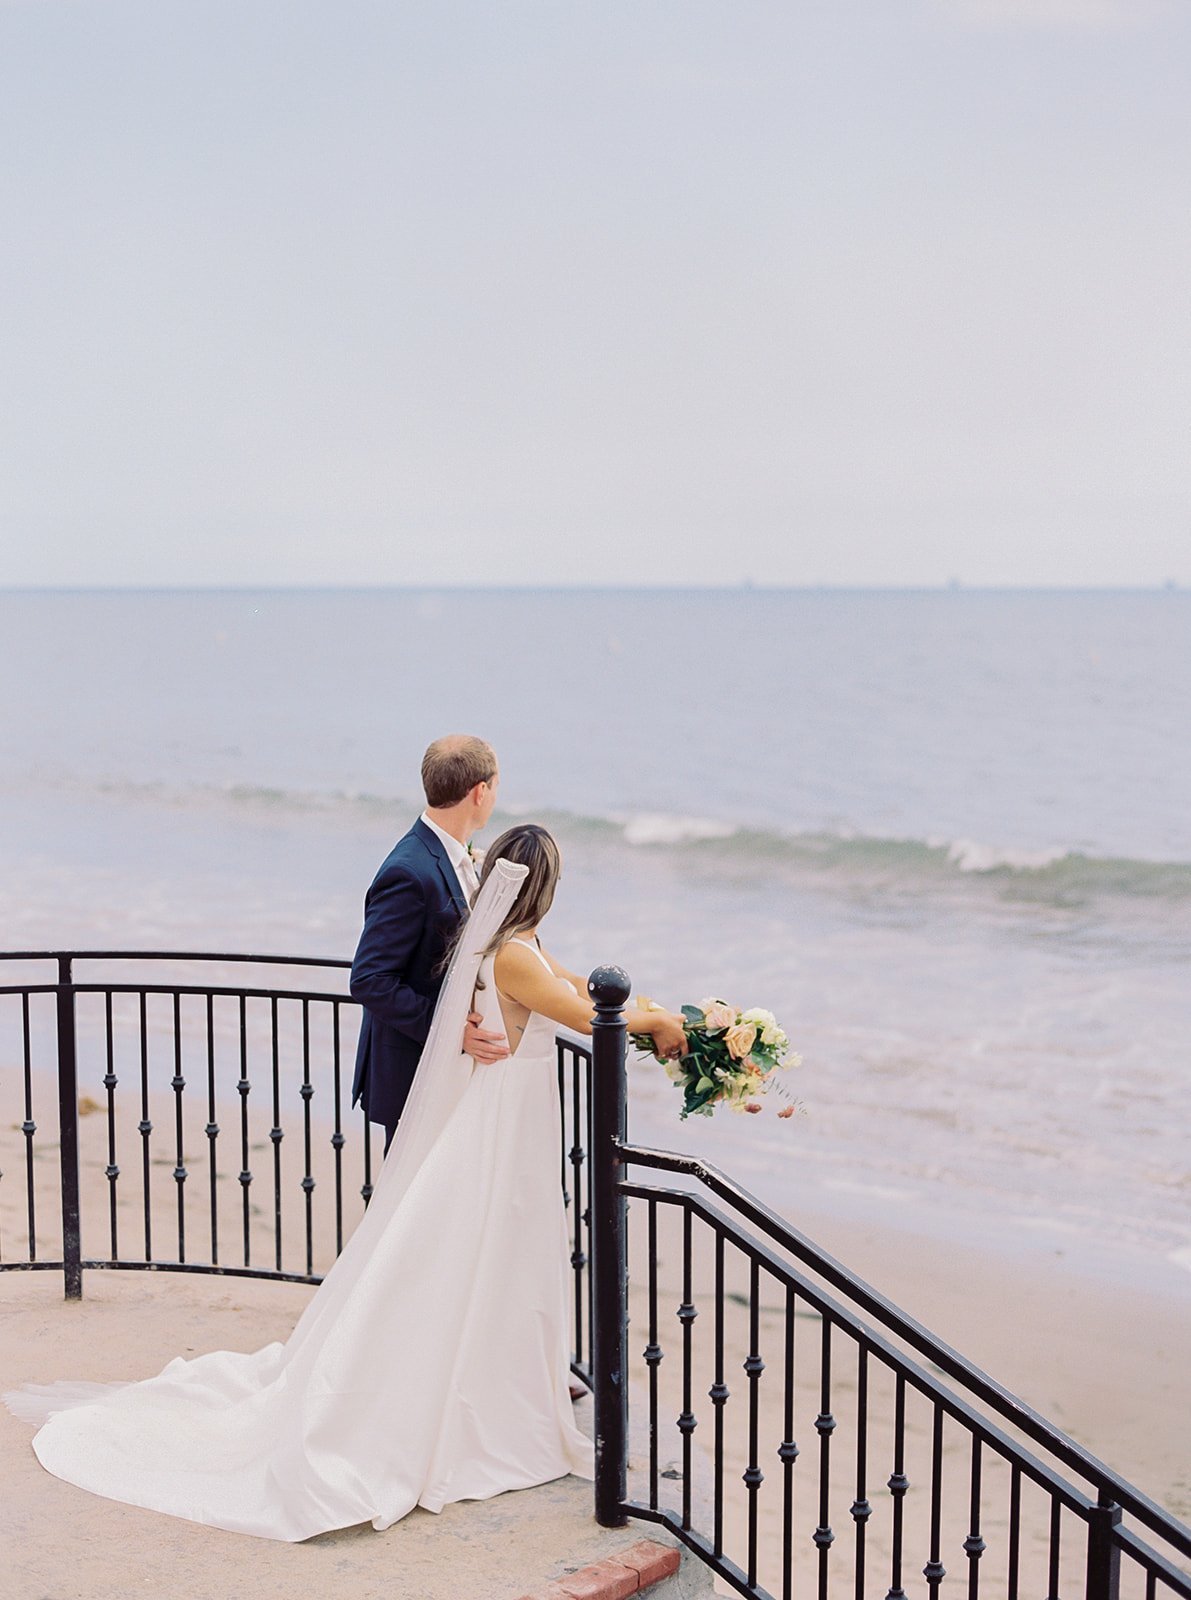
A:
(530, 845)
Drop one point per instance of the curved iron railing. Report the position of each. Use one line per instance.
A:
(184, 1058)
(973, 1473)
(134, 1059)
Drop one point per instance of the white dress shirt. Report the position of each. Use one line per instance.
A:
(458, 857)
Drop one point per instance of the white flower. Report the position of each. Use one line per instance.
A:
(706, 1005)
(763, 1018)
(773, 1036)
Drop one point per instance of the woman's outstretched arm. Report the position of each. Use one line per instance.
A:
(521, 976)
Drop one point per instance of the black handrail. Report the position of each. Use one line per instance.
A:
(869, 1322)
(172, 955)
(598, 1189)
(993, 1394)
(96, 987)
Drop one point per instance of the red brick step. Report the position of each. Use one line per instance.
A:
(628, 1572)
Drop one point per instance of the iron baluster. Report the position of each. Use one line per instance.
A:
(145, 1125)
(307, 1092)
(29, 1128)
(974, 1544)
(788, 1450)
(244, 1089)
(860, 1508)
(653, 1352)
(562, 1123)
(898, 1484)
(111, 1172)
(178, 1084)
(686, 1316)
(753, 1477)
(276, 1135)
(68, 1132)
(366, 1186)
(212, 1130)
(585, 1066)
(825, 1427)
(1053, 1546)
(578, 1258)
(718, 1395)
(934, 1572)
(1014, 1569)
(337, 1139)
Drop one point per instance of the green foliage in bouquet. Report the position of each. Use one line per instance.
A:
(732, 1056)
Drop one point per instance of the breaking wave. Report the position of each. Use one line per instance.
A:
(822, 852)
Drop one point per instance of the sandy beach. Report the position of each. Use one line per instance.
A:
(1104, 1359)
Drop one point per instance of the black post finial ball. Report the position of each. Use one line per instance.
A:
(609, 987)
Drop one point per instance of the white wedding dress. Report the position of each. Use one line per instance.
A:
(431, 1364)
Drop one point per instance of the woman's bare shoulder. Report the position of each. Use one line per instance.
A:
(520, 975)
(513, 957)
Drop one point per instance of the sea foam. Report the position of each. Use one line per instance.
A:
(660, 828)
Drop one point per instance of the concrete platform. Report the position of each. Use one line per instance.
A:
(60, 1543)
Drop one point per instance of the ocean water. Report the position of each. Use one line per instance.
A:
(945, 835)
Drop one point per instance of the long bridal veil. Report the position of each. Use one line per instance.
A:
(441, 1078)
(444, 1071)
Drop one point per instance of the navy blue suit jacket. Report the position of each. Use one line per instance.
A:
(411, 912)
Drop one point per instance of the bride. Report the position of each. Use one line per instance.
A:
(431, 1365)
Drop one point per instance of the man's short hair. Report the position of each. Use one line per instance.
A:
(453, 766)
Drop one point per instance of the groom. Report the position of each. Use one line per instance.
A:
(411, 913)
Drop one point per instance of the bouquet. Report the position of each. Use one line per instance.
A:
(732, 1057)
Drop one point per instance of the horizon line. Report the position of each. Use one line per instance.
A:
(745, 586)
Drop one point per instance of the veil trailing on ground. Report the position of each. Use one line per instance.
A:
(442, 1076)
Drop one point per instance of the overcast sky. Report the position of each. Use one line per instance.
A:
(862, 291)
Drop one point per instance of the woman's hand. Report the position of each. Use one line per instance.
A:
(669, 1035)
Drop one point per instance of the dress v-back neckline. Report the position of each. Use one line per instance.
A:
(532, 1018)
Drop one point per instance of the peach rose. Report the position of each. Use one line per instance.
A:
(720, 1015)
(740, 1040)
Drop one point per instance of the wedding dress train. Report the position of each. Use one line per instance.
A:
(429, 1366)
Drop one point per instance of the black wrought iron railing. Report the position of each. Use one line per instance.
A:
(796, 1431)
(849, 1451)
(174, 1086)
(188, 1112)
